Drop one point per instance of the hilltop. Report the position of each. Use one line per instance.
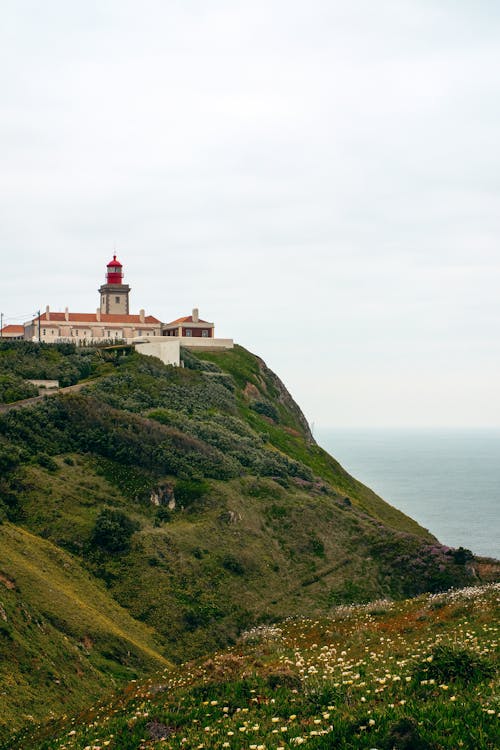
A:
(159, 512)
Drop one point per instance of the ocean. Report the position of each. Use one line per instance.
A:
(447, 480)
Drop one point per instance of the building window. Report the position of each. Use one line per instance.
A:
(189, 332)
(44, 331)
(204, 333)
(117, 300)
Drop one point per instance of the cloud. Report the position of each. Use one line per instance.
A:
(321, 179)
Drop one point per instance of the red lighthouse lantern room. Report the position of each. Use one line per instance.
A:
(115, 272)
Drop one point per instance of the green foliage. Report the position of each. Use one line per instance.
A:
(404, 734)
(451, 663)
(461, 556)
(337, 682)
(163, 514)
(233, 565)
(66, 363)
(113, 530)
(14, 388)
(46, 462)
(270, 522)
(10, 456)
(188, 491)
(267, 409)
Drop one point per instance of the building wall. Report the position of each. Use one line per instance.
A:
(197, 332)
(165, 348)
(114, 299)
(51, 333)
(191, 342)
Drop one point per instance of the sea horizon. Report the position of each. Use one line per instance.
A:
(446, 478)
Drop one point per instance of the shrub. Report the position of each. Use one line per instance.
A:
(461, 556)
(14, 388)
(451, 663)
(163, 514)
(233, 565)
(46, 462)
(187, 491)
(404, 734)
(113, 530)
(266, 409)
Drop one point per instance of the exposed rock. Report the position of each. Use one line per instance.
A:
(230, 516)
(159, 731)
(7, 582)
(163, 494)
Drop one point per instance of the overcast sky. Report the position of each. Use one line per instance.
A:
(320, 178)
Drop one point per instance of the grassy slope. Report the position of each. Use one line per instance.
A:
(63, 640)
(413, 675)
(290, 436)
(290, 544)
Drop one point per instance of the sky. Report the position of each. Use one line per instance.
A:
(320, 178)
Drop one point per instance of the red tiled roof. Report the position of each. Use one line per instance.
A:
(13, 329)
(92, 318)
(189, 319)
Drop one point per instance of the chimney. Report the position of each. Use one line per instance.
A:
(98, 314)
(141, 315)
(47, 312)
(196, 317)
(66, 313)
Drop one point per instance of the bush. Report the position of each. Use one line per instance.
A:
(461, 556)
(233, 565)
(46, 462)
(187, 491)
(14, 388)
(163, 515)
(113, 530)
(266, 409)
(404, 734)
(452, 663)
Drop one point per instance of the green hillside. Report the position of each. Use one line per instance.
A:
(164, 510)
(412, 675)
(63, 640)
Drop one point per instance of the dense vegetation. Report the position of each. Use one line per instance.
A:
(167, 492)
(64, 362)
(414, 675)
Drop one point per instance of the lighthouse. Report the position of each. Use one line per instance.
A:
(114, 293)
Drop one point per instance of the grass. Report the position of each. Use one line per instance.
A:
(62, 637)
(291, 434)
(264, 525)
(359, 678)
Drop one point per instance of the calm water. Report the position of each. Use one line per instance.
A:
(449, 481)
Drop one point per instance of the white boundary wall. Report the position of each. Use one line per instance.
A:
(165, 348)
